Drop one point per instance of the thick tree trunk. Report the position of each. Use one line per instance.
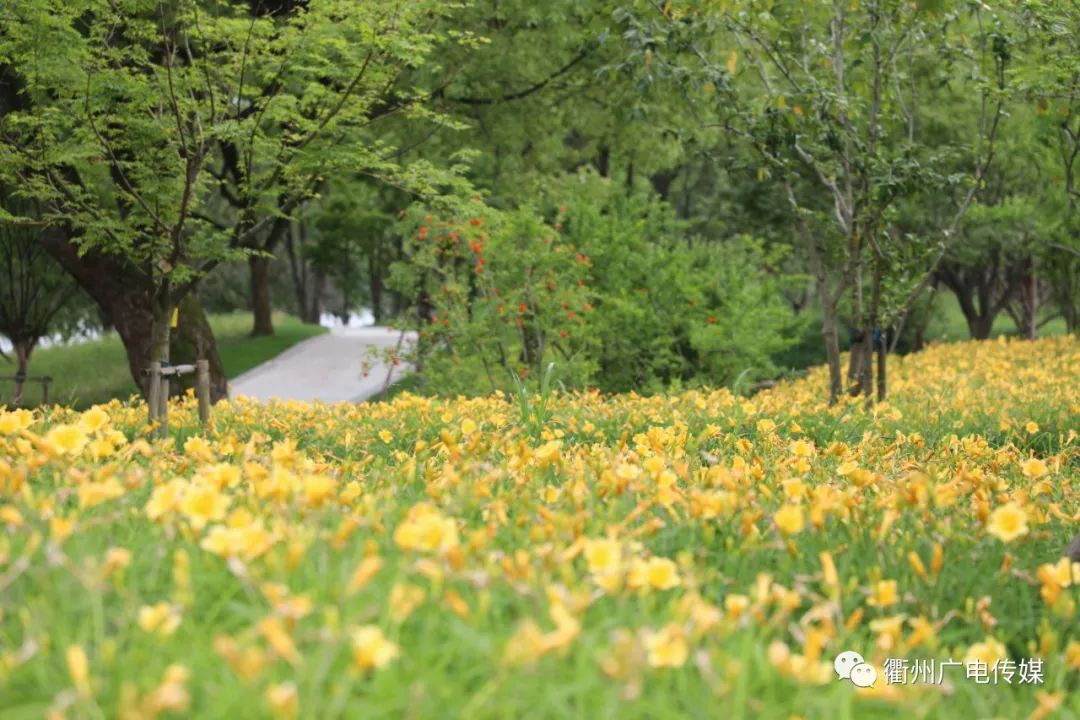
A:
(122, 292)
(191, 340)
(260, 295)
(160, 331)
(979, 326)
(981, 297)
(979, 323)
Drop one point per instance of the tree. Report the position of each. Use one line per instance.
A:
(36, 295)
(1050, 81)
(827, 97)
(984, 269)
(139, 119)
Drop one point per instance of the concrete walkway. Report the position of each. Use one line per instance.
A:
(328, 367)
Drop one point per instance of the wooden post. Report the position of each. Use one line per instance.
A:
(163, 412)
(45, 390)
(202, 389)
(155, 390)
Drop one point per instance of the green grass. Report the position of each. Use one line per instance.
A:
(97, 371)
(948, 324)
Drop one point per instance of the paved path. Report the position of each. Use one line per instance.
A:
(327, 367)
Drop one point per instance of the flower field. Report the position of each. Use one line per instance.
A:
(696, 555)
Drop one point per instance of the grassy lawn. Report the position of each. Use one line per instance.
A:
(948, 324)
(97, 371)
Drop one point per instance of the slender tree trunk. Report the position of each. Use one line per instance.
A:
(1029, 304)
(375, 283)
(314, 312)
(260, 295)
(920, 334)
(882, 368)
(855, 361)
(308, 290)
(858, 342)
(875, 335)
(832, 344)
(297, 271)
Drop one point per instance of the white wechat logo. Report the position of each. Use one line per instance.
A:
(850, 665)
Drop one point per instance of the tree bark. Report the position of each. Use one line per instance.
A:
(920, 333)
(263, 323)
(882, 368)
(314, 308)
(191, 340)
(980, 326)
(307, 294)
(832, 342)
(855, 362)
(1029, 301)
(375, 284)
(875, 334)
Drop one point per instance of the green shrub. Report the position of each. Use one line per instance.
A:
(671, 309)
(613, 292)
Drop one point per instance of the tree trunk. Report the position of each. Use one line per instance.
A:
(120, 290)
(160, 331)
(307, 295)
(191, 340)
(979, 323)
(920, 334)
(260, 295)
(855, 362)
(875, 335)
(1029, 301)
(882, 368)
(314, 309)
(980, 326)
(375, 283)
(832, 345)
(866, 368)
